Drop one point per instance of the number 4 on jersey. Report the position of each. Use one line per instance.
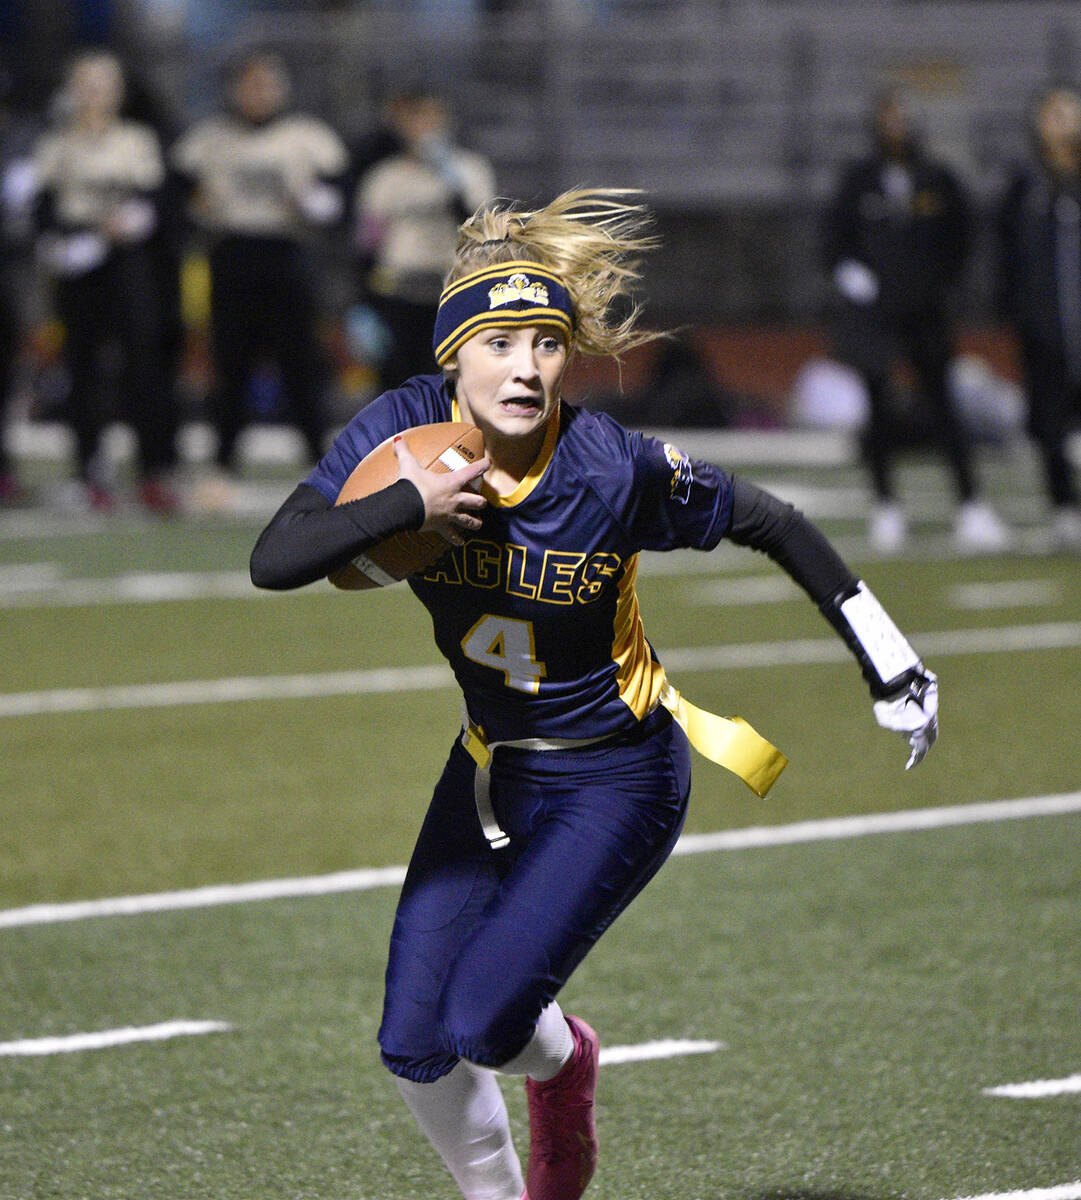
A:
(506, 644)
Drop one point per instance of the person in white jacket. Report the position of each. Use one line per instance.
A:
(407, 210)
(263, 180)
(98, 178)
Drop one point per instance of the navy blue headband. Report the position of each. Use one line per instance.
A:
(513, 293)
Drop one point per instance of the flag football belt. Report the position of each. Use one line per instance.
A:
(728, 741)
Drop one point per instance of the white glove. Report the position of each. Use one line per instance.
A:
(320, 203)
(856, 281)
(438, 153)
(73, 255)
(914, 714)
(132, 221)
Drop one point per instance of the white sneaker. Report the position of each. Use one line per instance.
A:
(978, 528)
(1066, 528)
(888, 528)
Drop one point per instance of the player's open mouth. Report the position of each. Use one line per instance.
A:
(521, 405)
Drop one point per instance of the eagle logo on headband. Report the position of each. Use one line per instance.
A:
(517, 287)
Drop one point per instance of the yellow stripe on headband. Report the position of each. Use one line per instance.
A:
(502, 294)
(507, 268)
(494, 320)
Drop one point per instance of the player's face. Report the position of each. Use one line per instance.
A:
(509, 379)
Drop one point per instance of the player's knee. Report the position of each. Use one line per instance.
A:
(419, 1068)
(486, 1030)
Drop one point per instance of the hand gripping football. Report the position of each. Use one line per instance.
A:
(444, 446)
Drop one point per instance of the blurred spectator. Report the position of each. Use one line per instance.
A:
(14, 190)
(1040, 230)
(11, 491)
(897, 238)
(408, 208)
(145, 104)
(98, 177)
(261, 180)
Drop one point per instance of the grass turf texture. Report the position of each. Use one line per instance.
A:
(866, 991)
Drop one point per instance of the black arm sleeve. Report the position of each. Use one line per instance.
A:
(763, 522)
(308, 537)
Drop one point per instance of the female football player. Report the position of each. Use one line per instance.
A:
(567, 789)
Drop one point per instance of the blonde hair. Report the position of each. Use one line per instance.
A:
(590, 238)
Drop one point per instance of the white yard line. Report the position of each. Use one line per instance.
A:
(908, 821)
(105, 1038)
(141, 587)
(361, 880)
(1005, 593)
(647, 1051)
(1063, 1191)
(1036, 1089)
(703, 843)
(1055, 635)
(744, 590)
(17, 579)
(225, 691)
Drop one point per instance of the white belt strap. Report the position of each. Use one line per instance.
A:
(481, 751)
(728, 741)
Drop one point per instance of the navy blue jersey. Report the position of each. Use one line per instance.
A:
(537, 613)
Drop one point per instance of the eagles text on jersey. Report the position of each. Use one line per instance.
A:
(537, 613)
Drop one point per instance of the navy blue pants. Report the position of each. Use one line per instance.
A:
(484, 939)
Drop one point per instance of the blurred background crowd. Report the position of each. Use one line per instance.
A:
(220, 215)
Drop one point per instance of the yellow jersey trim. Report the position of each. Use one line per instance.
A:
(536, 471)
(728, 741)
(639, 677)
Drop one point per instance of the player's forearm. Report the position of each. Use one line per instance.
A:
(308, 537)
(763, 522)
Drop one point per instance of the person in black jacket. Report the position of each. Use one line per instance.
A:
(1040, 260)
(897, 238)
(12, 491)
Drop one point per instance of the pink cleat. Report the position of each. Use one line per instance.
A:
(562, 1131)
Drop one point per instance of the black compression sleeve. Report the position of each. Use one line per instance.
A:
(308, 537)
(763, 522)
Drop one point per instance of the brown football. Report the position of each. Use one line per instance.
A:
(444, 446)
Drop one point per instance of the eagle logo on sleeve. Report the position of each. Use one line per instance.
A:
(679, 488)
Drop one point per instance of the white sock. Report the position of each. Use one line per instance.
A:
(549, 1049)
(464, 1117)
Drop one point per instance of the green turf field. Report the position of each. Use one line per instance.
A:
(164, 728)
